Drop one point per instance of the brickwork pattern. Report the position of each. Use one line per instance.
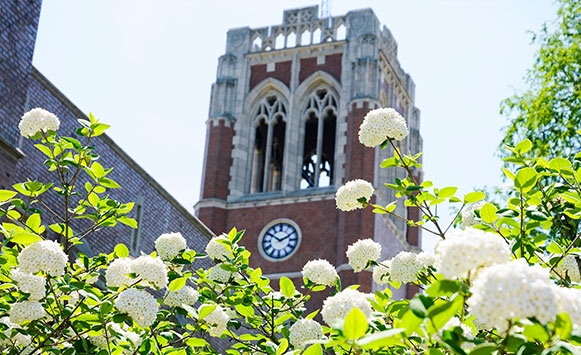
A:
(332, 66)
(161, 213)
(281, 72)
(18, 25)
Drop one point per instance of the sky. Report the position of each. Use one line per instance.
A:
(146, 68)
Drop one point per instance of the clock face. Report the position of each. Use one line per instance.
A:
(279, 241)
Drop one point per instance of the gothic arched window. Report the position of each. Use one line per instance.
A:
(320, 117)
(270, 125)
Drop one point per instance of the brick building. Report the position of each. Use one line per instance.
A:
(22, 87)
(282, 137)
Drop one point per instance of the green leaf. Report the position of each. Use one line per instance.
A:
(525, 179)
(389, 162)
(6, 195)
(206, 309)
(509, 174)
(121, 251)
(488, 213)
(33, 223)
(475, 196)
(128, 221)
(523, 147)
(443, 288)
(287, 287)
(562, 165)
(355, 325)
(382, 339)
(563, 326)
(196, 342)
(176, 284)
(246, 311)
(25, 238)
(536, 332)
(554, 248)
(282, 347)
(314, 349)
(44, 149)
(108, 183)
(484, 349)
(97, 170)
(447, 192)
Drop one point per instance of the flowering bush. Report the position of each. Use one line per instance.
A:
(508, 283)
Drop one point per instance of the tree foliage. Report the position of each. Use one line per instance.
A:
(548, 113)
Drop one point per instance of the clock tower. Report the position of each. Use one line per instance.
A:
(282, 137)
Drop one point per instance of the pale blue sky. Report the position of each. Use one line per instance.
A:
(146, 68)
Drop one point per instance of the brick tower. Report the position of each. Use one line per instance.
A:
(282, 137)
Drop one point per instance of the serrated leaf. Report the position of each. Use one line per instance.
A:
(121, 251)
(484, 349)
(282, 347)
(286, 286)
(128, 221)
(355, 325)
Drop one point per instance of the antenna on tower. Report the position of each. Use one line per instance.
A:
(325, 8)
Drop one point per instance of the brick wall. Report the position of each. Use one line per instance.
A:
(161, 212)
(217, 159)
(332, 66)
(281, 72)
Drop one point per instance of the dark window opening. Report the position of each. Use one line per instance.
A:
(269, 143)
(319, 140)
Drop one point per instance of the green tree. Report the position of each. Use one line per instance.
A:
(548, 113)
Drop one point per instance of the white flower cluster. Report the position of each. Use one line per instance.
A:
(405, 266)
(219, 274)
(34, 285)
(381, 272)
(100, 341)
(116, 274)
(46, 255)
(467, 250)
(469, 215)
(185, 295)
(21, 312)
(380, 124)
(139, 305)
(36, 120)
(169, 245)
(336, 307)
(348, 194)
(513, 290)
(568, 266)
(151, 270)
(320, 272)
(217, 249)
(217, 320)
(303, 332)
(361, 252)
(569, 301)
(18, 339)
